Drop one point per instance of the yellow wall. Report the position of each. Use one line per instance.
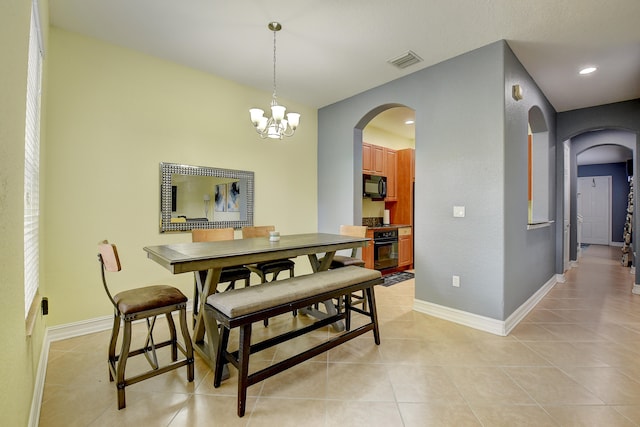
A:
(113, 116)
(377, 136)
(20, 354)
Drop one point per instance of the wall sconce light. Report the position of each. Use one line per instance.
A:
(516, 92)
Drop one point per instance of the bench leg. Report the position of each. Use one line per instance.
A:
(243, 367)
(221, 359)
(370, 295)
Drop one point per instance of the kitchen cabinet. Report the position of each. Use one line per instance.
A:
(367, 251)
(378, 160)
(405, 247)
(373, 159)
(391, 163)
(405, 177)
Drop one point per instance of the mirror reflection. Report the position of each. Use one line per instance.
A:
(204, 197)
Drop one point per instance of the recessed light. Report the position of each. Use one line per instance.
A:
(587, 70)
(409, 122)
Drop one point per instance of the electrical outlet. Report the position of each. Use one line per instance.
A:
(458, 211)
(455, 281)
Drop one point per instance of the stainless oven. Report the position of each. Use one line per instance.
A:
(385, 249)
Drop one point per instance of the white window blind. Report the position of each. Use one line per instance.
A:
(32, 163)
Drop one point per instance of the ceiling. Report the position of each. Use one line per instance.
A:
(330, 50)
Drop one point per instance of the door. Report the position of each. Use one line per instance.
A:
(594, 205)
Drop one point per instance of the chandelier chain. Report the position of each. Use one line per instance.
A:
(274, 101)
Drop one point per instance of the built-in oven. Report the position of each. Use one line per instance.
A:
(385, 249)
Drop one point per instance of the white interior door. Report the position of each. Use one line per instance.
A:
(594, 205)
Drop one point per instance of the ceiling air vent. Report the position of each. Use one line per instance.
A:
(405, 60)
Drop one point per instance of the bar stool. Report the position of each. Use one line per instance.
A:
(339, 261)
(275, 267)
(229, 274)
(143, 303)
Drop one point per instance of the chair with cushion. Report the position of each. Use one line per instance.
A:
(275, 267)
(229, 274)
(143, 303)
(339, 261)
(262, 269)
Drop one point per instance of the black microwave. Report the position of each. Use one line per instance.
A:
(374, 186)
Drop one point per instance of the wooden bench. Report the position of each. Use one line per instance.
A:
(243, 307)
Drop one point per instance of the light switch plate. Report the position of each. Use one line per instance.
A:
(458, 211)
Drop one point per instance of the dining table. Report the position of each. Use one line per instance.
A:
(188, 257)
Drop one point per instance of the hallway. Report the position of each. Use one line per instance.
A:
(572, 362)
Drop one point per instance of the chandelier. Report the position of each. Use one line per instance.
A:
(276, 126)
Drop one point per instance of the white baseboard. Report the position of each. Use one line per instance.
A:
(487, 324)
(636, 289)
(63, 332)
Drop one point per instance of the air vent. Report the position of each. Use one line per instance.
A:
(405, 60)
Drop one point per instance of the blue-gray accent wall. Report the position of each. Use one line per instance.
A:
(471, 150)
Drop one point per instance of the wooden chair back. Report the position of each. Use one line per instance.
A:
(353, 230)
(109, 255)
(257, 231)
(211, 234)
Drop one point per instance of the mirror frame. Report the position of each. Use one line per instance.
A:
(169, 169)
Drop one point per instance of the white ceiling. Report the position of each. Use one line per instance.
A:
(329, 50)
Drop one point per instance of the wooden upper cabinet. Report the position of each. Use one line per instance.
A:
(373, 159)
(391, 162)
(378, 158)
(367, 163)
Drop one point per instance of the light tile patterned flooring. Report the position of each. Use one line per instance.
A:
(574, 361)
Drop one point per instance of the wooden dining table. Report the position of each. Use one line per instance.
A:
(213, 256)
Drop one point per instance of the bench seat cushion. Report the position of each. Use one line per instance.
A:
(239, 302)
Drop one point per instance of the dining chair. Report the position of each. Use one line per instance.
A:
(262, 269)
(229, 274)
(339, 261)
(137, 304)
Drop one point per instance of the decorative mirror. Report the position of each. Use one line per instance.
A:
(204, 197)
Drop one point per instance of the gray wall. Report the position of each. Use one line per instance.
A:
(466, 138)
(529, 254)
(622, 116)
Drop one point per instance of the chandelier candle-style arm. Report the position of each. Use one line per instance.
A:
(276, 126)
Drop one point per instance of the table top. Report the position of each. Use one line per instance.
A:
(194, 256)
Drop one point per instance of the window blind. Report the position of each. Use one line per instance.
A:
(32, 163)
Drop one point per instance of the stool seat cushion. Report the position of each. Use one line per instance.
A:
(148, 298)
(229, 274)
(280, 264)
(343, 261)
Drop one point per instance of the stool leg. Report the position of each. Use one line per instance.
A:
(187, 343)
(113, 360)
(172, 331)
(122, 363)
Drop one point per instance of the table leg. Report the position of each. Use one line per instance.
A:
(206, 325)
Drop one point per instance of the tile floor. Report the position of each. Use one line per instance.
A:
(572, 362)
